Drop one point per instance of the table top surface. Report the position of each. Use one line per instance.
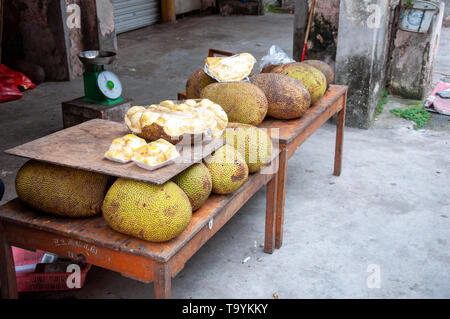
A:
(96, 231)
(83, 147)
(289, 129)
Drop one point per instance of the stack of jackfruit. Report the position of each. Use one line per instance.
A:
(160, 213)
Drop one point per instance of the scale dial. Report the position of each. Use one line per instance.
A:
(109, 84)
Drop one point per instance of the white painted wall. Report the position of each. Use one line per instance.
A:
(184, 6)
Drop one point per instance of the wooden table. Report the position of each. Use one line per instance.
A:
(293, 133)
(94, 242)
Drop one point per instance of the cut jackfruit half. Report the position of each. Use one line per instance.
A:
(230, 69)
(173, 119)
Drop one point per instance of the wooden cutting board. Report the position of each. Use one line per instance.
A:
(83, 147)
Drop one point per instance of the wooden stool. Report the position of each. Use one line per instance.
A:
(78, 111)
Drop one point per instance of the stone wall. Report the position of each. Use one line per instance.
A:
(362, 55)
(446, 22)
(412, 60)
(33, 38)
(42, 38)
(322, 42)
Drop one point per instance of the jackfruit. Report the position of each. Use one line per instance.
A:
(196, 182)
(228, 170)
(174, 122)
(61, 190)
(312, 78)
(323, 67)
(196, 82)
(155, 213)
(253, 143)
(288, 98)
(230, 69)
(242, 101)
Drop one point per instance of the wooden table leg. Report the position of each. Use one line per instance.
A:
(7, 270)
(339, 141)
(162, 280)
(271, 209)
(281, 196)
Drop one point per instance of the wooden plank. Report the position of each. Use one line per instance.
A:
(19, 213)
(162, 282)
(271, 209)
(78, 111)
(339, 139)
(129, 265)
(281, 198)
(83, 147)
(290, 129)
(95, 231)
(100, 245)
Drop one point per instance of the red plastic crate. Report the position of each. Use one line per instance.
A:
(30, 281)
(48, 281)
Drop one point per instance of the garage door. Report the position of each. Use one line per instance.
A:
(135, 14)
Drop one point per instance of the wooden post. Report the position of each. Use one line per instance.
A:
(168, 11)
(271, 201)
(281, 196)
(162, 280)
(7, 270)
(340, 139)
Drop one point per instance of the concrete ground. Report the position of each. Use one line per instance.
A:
(387, 217)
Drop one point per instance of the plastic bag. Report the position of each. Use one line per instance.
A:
(10, 81)
(275, 56)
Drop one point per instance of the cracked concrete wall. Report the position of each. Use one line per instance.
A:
(47, 35)
(106, 36)
(322, 44)
(34, 35)
(362, 54)
(446, 22)
(412, 60)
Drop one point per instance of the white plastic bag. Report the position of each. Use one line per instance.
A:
(275, 56)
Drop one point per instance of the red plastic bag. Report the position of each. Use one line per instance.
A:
(10, 81)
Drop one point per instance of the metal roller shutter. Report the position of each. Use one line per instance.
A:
(135, 14)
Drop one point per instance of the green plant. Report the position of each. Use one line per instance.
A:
(383, 102)
(409, 3)
(272, 9)
(414, 113)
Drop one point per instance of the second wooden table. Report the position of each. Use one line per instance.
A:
(293, 133)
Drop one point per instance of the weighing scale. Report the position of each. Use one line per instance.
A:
(102, 92)
(100, 86)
